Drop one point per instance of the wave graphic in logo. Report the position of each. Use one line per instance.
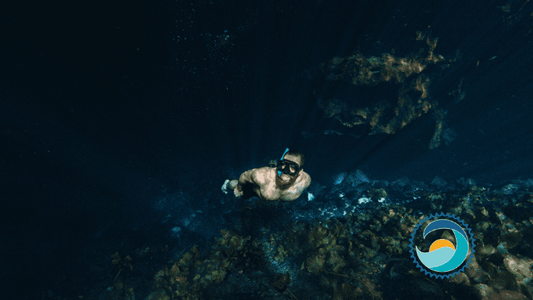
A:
(443, 256)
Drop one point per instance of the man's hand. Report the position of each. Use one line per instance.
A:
(237, 192)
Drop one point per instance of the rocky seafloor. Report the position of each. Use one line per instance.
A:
(351, 240)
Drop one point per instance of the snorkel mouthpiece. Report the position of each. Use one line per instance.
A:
(286, 150)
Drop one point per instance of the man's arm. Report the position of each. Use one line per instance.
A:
(246, 177)
(255, 176)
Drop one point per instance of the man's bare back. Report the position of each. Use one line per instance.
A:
(267, 184)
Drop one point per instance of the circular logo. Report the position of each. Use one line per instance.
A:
(444, 259)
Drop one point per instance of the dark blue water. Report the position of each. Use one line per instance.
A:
(119, 121)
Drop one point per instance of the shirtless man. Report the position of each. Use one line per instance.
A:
(285, 182)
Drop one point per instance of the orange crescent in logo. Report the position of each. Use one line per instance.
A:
(440, 244)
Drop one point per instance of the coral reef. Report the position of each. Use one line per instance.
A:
(355, 76)
(365, 254)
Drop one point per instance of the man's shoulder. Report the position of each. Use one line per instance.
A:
(263, 170)
(306, 177)
(262, 174)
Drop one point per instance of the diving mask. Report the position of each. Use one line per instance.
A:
(287, 167)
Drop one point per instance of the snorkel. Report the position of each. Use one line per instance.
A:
(286, 150)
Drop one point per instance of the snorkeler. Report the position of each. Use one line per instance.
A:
(285, 182)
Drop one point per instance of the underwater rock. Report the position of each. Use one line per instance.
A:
(511, 239)
(483, 291)
(405, 81)
(507, 295)
(509, 189)
(402, 182)
(475, 272)
(426, 289)
(485, 249)
(282, 281)
(356, 178)
(354, 249)
(460, 278)
(338, 179)
(466, 181)
(439, 182)
(520, 267)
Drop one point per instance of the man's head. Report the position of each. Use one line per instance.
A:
(283, 180)
(295, 156)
